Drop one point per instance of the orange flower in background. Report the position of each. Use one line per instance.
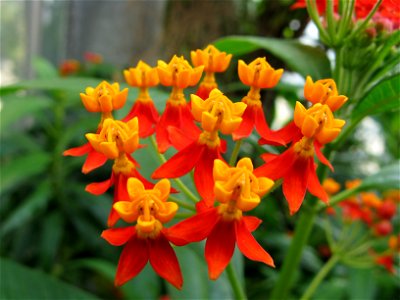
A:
(217, 113)
(214, 61)
(237, 190)
(179, 74)
(331, 186)
(93, 57)
(143, 77)
(117, 140)
(69, 67)
(325, 92)
(258, 74)
(104, 98)
(146, 241)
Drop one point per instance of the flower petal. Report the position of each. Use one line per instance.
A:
(78, 151)
(219, 248)
(247, 125)
(295, 184)
(193, 229)
(98, 188)
(164, 261)
(313, 184)
(181, 163)
(133, 258)
(249, 246)
(118, 236)
(251, 222)
(320, 155)
(277, 167)
(93, 161)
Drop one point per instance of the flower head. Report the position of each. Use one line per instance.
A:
(325, 92)
(142, 76)
(116, 137)
(211, 58)
(259, 73)
(104, 98)
(217, 112)
(317, 122)
(69, 66)
(178, 73)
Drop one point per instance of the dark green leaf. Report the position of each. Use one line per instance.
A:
(14, 108)
(19, 282)
(301, 58)
(387, 178)
(29, 208)
(383, 97)
(23, 168)
(362, 284)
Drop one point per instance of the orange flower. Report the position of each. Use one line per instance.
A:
(92, 57)
(146, 241)
(258, 74)
(331, 186)
(69, 66)
(238, 190)
(143, 77)
(325, 92)
(178, 74)
(214, 61)
(216, 113)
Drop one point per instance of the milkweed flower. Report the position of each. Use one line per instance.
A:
(217, 113)
(258, 74)
(104, 98)
(146, 240)
(117, 140)
(237, 190)
(69, 67)
(296, 165)
(179, 74)
(143, 77)
(214, 61)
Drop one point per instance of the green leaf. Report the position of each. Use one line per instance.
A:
(14, 108)
(301, 58)
(362, 284)
(383, 97)
(23, 168)
(387, 178)
(29, 208)
(20, 282)
(144, 286)
(43, 68)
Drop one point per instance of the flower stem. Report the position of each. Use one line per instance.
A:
(292, 259)
(181, 203)
(320, 276)
(235, 153)
(234, 281)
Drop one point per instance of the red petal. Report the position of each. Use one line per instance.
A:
(164, 261)
(268, 136)
(118, 236)
(249, 246)
(133, 258)
(186, 122)
(78, 151)
(314, 186)
(147, 115)
(98, 188)
(251, 222)
(181, 163)
(287, 134)
(93, 161)
(170, 117)
(320, 155)
(179, 139)
(247, 125)
(203, 174)
(278, 167)
(267, 157)
(219, 248)
(193, 229)
(295, 184)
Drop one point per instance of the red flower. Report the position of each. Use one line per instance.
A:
(238, 190)
(148, 117)
(94, 159)
(297, 168)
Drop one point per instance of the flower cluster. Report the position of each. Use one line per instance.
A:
(376, 213)
(195, 129)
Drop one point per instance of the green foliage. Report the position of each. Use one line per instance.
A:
(306, 60)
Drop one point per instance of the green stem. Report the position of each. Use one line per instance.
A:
(313, 13)
(320, 276)
(234, 281)
(179, 182)
(181, 203)
(292, 258)
(235, 153)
